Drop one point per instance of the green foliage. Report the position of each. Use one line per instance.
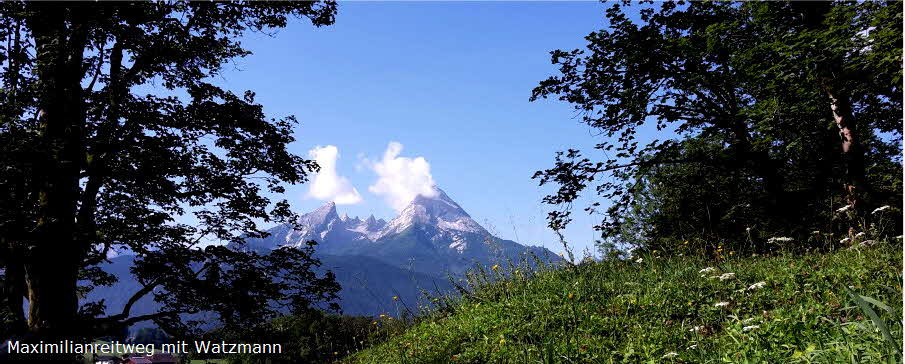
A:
(789, 308)
(717, 117)
(862, 302)
(95, 161)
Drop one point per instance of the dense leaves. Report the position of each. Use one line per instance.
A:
(724, 123)
(114, 139)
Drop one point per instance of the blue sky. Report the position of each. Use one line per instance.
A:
(450, 82)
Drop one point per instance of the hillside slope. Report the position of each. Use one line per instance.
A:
(368, 287)
(668, 310)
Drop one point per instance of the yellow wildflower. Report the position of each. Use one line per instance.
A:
(495, 267)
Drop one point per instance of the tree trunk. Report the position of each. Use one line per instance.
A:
(53, 303)
(53, 256)
(814, 17)
(852, 151)
(765, 167)
(12, 293)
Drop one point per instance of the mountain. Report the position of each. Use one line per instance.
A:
(322, 225)
(430, 240)
(439, 210)
(368, 287)
(432, 235)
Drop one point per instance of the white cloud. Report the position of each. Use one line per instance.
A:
(327, 185)
(400, 179)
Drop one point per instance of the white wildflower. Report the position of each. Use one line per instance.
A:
(726, 276)
(880, 209)
(858, 235)
(639, 260)
(758, 285)
(707, 270)
(696, 329)
(671, 354)
(779, 239)
(868, 243)
(815, 232)
(692, 347)
(844, 208)
(749, 328)
(722, 304)
(845, 241)
(748, 229)
(748, 321)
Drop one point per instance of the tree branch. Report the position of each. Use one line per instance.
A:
(137, 296)
(646, 163)
(153, 316)
(97, 70)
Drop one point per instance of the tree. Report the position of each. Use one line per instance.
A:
(95, 160)
(749, 94)
(851, 55)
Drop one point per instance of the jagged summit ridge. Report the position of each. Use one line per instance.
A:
(326, 226)
(439, 210)
(320, 217)
(432, 234)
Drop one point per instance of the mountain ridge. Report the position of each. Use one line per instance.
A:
(434, 229)
(429, 242)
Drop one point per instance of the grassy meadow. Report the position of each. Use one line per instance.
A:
(843, 306)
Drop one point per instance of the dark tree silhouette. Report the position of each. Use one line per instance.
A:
(774, 111)
(93, 162)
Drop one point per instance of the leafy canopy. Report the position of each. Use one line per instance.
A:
(113, 137)
(715, 118)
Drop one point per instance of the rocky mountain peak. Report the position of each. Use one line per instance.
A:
(438, 210)
(439, 205)
(320, 217)
(434, 228)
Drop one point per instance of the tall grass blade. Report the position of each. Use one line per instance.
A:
(874, 317)
(877, 303)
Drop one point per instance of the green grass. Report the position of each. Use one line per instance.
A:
(625, 311)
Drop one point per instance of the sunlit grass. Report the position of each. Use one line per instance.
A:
(683, 309)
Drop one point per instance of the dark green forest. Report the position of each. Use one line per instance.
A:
(781, 119)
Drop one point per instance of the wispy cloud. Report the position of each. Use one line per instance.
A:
(400, 179)
(327, 184)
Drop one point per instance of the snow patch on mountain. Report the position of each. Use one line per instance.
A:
(459, 244)
(439, 210)
(433, 230)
